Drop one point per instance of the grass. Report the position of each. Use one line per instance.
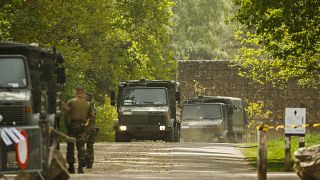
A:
(276, 149)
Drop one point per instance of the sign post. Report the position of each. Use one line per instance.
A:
(295, 120)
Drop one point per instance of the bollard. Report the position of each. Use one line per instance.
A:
(44, 125)
(287, 153)
(262, 154)
(301, 141)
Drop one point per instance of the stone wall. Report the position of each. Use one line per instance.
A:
(219, 79)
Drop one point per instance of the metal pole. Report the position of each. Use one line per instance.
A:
(301, 141)
(287, 153)
(262, 154)
(44, 125)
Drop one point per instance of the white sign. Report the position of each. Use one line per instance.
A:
(5, 138)
(295, 120)
(11, 135)
(22, 151)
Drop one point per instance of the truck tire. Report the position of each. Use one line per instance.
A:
(221, 139)
(169, 136)
(231, 137)
(121, 137)
(239, 137)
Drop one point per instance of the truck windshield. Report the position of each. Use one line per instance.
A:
(12, 73)
(144, 96)
(201, 112)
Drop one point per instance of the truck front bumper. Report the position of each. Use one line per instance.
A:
(144, 131)
(142, 128)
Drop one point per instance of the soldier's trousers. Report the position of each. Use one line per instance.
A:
(78, 131)
(91, 137)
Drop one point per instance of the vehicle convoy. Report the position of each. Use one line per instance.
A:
(31, 79)
(209, 118)
(147, 110)
(30, 82)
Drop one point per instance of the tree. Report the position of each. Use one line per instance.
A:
(103, 41)
(200, 31)
(280, 40)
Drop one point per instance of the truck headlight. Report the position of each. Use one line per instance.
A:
(162, 128)
(123, 128)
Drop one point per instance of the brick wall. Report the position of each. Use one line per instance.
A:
(219, 79)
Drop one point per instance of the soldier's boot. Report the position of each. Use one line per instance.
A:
(80, 170)
(71, 169)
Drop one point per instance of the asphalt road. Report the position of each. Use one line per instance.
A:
(178, 161)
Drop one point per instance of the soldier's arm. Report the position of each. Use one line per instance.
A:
(67, 107)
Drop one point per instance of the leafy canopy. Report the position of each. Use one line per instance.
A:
(280, 40)
(200, 31)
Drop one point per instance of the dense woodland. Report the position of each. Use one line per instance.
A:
(105, 41)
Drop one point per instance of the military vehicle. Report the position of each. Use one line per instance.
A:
(147, 110)
(210, 118)
(30, 82)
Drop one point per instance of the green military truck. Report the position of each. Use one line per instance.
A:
(30, 83)
(147, 110)
(209, 118)
(31, 79)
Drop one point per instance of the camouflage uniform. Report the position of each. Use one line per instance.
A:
(91, 134)
(76, 116)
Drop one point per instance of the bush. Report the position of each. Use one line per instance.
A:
(106, 114)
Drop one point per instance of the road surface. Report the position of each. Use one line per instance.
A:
(178, 161)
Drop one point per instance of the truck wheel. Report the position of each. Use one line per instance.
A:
(221, 139)
(231, 138)
(177, 133)
(169, 136)
(239, 137)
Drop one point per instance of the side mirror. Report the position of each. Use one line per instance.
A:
(113, 98)
(178, 96)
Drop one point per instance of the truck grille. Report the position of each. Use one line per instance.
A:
(13, 112)
(143, 119)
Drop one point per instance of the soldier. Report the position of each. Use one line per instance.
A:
(76, 114)
(91, 132)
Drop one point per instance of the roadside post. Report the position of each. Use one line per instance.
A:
(295, 121)
(262, 152)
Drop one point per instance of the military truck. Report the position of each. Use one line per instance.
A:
(147, 110)
(31, 79)
(210, 118)
(30, 82)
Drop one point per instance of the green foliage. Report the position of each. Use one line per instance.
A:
(280, 40)
(103, 41)
(256, 114)
(200, 31)
(276, 149)
(199, 89)
(106, 114)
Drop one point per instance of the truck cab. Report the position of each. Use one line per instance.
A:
(30, 82)
(147, 110)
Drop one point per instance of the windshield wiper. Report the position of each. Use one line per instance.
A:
(189, 118)
(211, 118)
(144, 103)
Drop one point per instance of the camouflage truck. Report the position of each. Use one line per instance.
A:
(30, 82)
(209, 118)
(31, 79)
(147, 110)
